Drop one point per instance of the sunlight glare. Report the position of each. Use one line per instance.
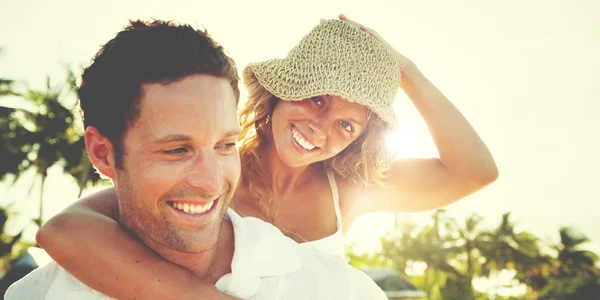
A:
(403, 144)
(40, 256)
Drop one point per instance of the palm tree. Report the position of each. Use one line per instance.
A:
(51, 135)
(572, 259)
(398, 246)
(504, 248)
(6, 86)
(44, 138)
(13, 255)
(11, 132)
(7, 243)
(405, 245)
(574, 274)
(470, 238)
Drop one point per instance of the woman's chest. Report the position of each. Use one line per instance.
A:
(308, 219)
(306, 215)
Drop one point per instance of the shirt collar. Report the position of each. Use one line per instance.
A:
(261, 250)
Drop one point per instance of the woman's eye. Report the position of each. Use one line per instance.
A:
(176, 151)
(317, 100)
(346, 126)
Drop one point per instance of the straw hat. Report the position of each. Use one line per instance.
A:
(335, 58)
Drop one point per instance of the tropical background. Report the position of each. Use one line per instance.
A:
(524, 74)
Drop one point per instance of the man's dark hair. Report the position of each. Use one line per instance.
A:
(145, 52)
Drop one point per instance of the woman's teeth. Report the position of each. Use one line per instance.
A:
(301, 141)
(193, 209)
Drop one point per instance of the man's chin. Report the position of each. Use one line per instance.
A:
(202, 240)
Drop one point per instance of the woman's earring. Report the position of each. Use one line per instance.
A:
(268, 119)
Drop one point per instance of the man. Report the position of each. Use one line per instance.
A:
(159, 107)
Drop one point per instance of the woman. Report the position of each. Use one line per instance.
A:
(313, 155)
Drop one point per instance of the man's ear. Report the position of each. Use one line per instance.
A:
(101, 152)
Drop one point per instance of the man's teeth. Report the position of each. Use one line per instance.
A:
(193, 209)
(301, 141)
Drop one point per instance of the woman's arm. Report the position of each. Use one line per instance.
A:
(465, 164)
(86, 240)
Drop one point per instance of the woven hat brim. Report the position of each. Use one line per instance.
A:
(284, 83)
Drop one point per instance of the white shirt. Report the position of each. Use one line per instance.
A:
(266, 265)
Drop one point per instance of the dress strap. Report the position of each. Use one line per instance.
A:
(336, 198)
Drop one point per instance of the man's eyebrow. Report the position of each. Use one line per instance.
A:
(172, 138)
(185, 138)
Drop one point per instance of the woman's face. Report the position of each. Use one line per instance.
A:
(315, 129)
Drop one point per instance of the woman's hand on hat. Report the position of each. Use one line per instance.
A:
(404, 62)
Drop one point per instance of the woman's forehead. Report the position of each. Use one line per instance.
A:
(348, 106)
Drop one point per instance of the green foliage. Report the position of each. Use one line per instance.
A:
(6, 87)
(456, 252)
(457, 288)
(44, 137)
(572, 288)
(13, 145)
(573, 274)
(11, 246)
(7, 243)
(366, 260)
(573, 260)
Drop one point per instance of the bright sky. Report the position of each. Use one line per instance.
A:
(523, 72)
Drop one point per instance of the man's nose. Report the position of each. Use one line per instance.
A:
(206, 173)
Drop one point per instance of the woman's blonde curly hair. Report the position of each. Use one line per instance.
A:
(358, 162)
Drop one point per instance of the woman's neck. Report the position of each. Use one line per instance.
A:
(284, 179)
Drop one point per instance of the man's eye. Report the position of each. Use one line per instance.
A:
(346, 126)
(176, 151)
(227, 148)
(317, 100)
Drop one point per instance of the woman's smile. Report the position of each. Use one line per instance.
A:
(301, 141)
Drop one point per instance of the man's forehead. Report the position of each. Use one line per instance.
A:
(196, 107)
(168, 136)
(212, 92)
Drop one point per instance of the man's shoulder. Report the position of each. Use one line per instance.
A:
(330, 276)
(291, 270)
(51, 282)
(325, 265)
(324, 276)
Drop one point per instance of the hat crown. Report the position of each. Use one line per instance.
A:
(351, 60)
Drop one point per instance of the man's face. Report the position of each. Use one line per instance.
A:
(181, 165)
